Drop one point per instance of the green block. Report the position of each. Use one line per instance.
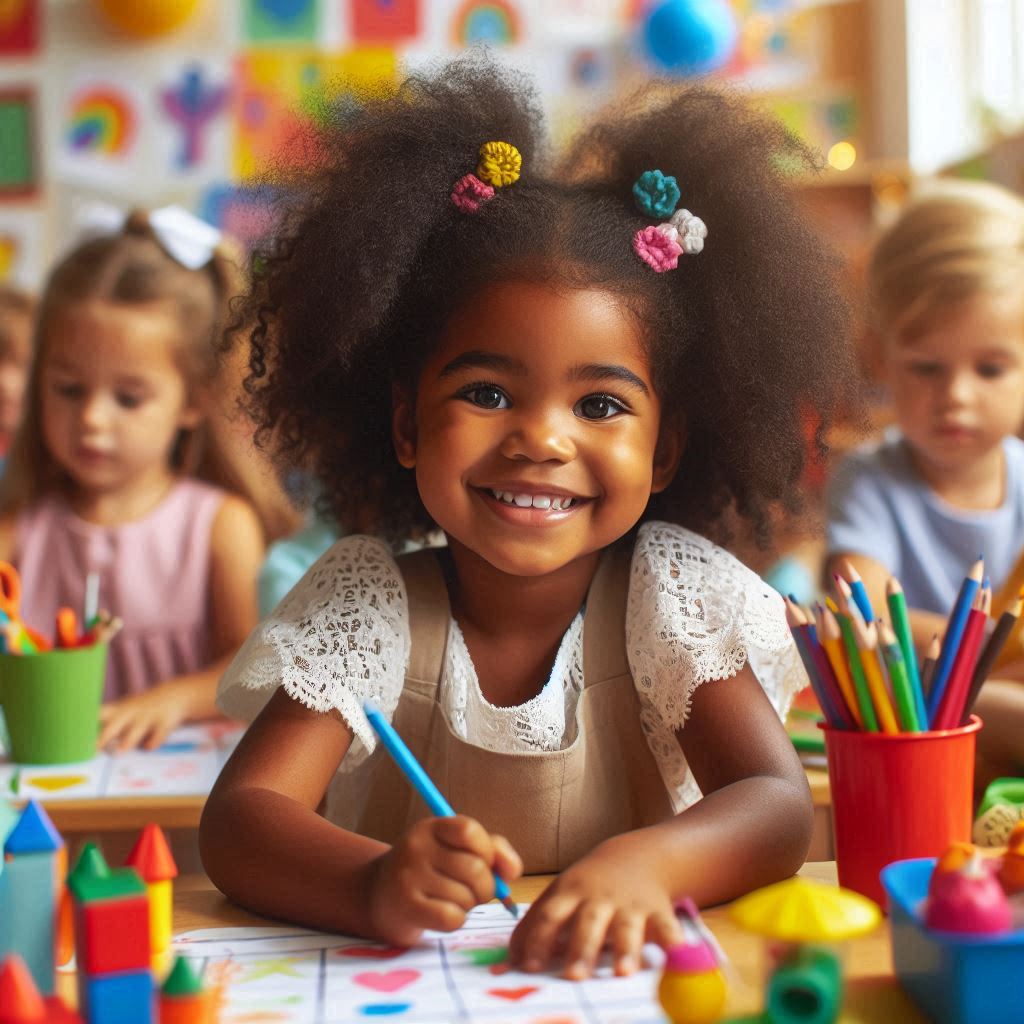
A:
(183, 980)
(90, 864)
(115, 885)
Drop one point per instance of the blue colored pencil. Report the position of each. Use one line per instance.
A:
(413, 771)
(859, 593)
(953, 635)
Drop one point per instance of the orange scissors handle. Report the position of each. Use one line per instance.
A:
(10, 592)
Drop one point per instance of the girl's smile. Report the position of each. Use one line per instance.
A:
(535, 429)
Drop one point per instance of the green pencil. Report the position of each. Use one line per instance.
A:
(860, 682)
(897, 603)
(899, 677)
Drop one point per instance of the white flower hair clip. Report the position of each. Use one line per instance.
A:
(661, 245)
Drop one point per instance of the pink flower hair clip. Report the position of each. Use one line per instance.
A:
(499, 165)
(661, 245)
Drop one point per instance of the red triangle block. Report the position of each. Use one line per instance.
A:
(19, 998)
(151, 856)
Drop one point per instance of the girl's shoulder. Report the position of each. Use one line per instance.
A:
(686, 585)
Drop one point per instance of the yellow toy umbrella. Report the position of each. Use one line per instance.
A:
(802, 910)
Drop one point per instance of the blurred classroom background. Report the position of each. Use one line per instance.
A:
(149, 102)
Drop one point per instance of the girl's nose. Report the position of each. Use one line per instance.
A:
(539, 439)
(93, 412)
(959, 388)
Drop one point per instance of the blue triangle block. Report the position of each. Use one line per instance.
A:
(34, 832)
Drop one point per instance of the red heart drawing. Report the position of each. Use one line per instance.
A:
(386, 981)
(513, 994)
(372, 952)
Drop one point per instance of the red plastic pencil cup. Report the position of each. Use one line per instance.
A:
(897, 796)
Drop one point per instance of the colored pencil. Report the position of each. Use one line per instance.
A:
(950, 709)
(902, 689)
(858, 591)
(953, 635)
(897, 605)
(818, 670)
(931, 657)
(832, 641)
(860, 683)
(989, 653)
(867, 643)
(413, 771)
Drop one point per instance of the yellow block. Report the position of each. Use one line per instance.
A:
(160, 899)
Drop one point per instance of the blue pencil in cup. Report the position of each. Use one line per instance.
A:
(413, 771)
(954, 634)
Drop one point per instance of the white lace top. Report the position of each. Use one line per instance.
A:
(694, 613)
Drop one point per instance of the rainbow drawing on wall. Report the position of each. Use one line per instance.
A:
(494, 22)
(101, 120)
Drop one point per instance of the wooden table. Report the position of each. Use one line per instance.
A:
(872, 994)
(822, 841)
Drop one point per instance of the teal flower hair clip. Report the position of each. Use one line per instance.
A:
(656, 194)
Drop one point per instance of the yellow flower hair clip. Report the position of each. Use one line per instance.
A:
(499, 164)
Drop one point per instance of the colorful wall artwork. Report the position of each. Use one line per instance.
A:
(100, 127)
(489, 22)
(280, 21)
(193, 102)
(383, 21)
(280, 95)
(295, 977)
(19, 27)
(19, 158)
(21, 245)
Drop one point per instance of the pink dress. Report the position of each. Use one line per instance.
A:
(154, 573)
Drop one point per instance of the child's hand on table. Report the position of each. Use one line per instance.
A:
(607, 898)
(434, 875)
(145, 719)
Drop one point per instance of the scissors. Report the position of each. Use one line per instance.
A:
(10, 610)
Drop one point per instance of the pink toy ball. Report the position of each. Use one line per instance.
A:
(968, 900)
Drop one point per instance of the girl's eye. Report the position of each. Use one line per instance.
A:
(991, 370)
(599, 407)
(129, 401)
(66, 389)
(925, 369)
(486, 396)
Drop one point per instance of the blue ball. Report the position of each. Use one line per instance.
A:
(690, 37)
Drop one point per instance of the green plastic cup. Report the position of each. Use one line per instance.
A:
(51, 703)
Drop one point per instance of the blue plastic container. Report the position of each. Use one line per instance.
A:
(954, 979)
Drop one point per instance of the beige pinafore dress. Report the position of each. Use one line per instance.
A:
(553, 806)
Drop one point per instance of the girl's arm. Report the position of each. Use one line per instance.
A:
(264, 845)
(236, 552)
(752, 827)
(6, 539)
(923, 625)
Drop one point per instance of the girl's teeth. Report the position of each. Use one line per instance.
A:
(543, 501)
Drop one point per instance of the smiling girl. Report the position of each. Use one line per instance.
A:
(541, 362)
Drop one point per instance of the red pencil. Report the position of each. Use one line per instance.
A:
(951, 707)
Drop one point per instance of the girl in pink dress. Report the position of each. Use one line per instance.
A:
(100, 475)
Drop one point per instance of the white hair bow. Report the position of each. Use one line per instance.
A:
(185, 238)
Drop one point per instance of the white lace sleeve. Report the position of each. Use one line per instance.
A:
(340, 636)
(696, 613)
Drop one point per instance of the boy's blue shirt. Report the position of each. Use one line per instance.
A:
(879, 507)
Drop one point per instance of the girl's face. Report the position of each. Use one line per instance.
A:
(535, 431)
(958, 389)
(113, 396)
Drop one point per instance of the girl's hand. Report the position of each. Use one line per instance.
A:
(146, 718)
(434, 875)
(610, 897)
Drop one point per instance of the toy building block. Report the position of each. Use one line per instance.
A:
(127, 997)
(30, 888)
(111, 921)
(152, 858)
(20, 1002)
(183, 999)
